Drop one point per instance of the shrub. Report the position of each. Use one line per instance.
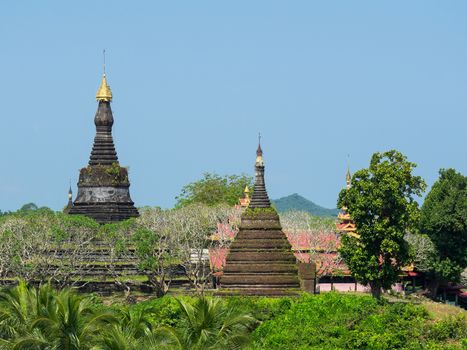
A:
(338, 321)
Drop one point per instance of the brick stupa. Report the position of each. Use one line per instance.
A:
(260, 260)
(103, 186)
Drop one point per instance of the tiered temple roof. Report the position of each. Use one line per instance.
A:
(344, 222)
(245, 201)
(260, 260)
(103, 187)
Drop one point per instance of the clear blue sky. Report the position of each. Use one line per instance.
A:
(194, 82)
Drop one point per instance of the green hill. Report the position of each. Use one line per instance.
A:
(297, 202)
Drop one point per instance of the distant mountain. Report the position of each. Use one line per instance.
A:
(297, 202)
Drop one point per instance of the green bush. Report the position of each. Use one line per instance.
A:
(166, 310)
(262, 309)
(338, 321)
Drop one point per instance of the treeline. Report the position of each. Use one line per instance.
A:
(41, 245)
(392, 231)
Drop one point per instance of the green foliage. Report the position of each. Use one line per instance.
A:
(262, 309)
(337, 321)
(422, 251)
(382, 206)
(444, 220)
(29, 207)
(298, 203)
(104, 175)
(44, 318)
(214, 189)
(166, 310)
(209, 324)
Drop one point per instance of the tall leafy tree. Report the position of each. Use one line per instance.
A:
(381, 202)
(444, 220)
(214, 189)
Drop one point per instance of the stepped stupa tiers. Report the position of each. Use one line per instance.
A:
(103, 186)
(260, 261)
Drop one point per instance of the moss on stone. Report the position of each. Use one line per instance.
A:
(254, 212)
(104, 175)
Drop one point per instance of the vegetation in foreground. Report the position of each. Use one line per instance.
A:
(43, 318)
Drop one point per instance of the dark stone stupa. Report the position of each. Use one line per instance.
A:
(103, 186)
(260, 261)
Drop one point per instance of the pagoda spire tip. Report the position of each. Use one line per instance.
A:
(104, 93)
(348, 176)
(259, 153)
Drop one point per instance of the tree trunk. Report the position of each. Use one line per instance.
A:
(433, 288)
(375, 289)
(159, 286)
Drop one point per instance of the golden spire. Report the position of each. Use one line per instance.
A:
(348, 177)
(104, 93)
(245, 201)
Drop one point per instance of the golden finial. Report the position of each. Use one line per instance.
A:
(348, 177)
(104, 93)
(245, 201)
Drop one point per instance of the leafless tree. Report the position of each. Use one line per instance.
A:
(313, 239)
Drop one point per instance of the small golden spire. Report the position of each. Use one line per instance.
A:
(245, 201)
(104, 93)
(348, 177)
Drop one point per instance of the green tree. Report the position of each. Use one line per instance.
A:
(209, 324)
(381, 203)
(134, 330)
(43, 318)
(33, 208)
(444, 220)
(19, 307)
(29, 207)
(214, 189)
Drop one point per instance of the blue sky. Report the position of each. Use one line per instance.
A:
(194, 82)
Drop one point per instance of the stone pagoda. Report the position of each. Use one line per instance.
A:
(69, 205)
(103, 186)
(260, 261)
